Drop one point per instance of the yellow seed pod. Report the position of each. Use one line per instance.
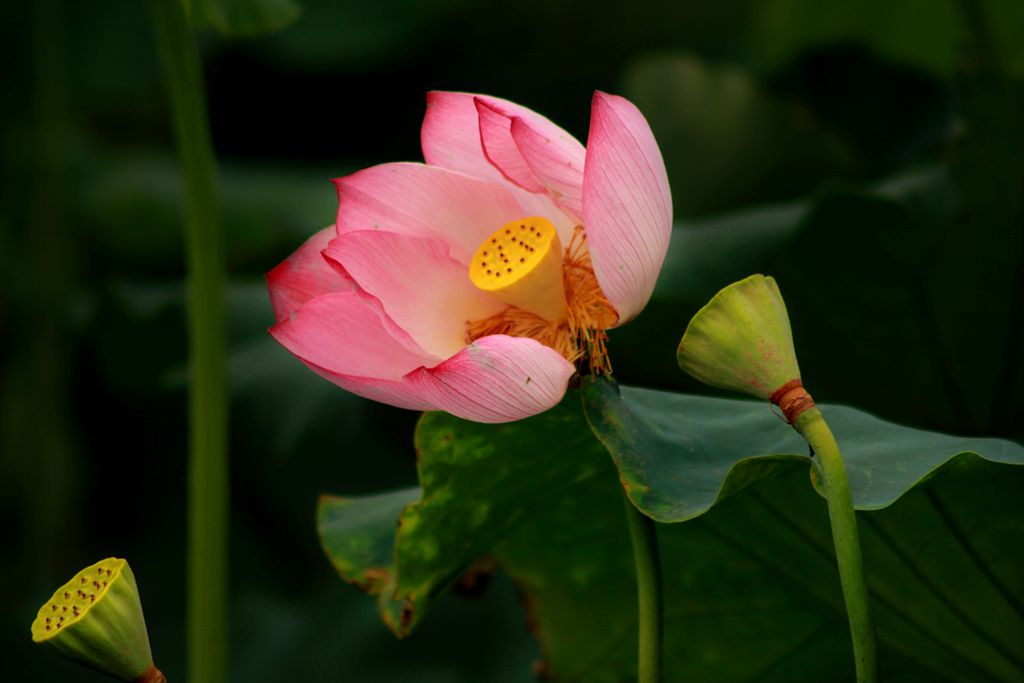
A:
(741, 340)
(521, 264)
(96, 619)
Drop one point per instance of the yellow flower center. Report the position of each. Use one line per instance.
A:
(521, 264)
(552, 295)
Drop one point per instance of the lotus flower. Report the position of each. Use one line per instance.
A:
(479, 282)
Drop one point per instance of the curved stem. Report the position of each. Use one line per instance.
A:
(811, 424)
(208, 412)
(643, 533)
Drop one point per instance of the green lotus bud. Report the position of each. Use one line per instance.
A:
(96, 619)
(741, 341)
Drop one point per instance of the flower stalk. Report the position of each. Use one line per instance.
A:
(829, 461)
(742, 341)
(643, 533)
(208, 465)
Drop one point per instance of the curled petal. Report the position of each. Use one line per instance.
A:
(500, 149)
(533, 152)
(425, 201)
(451, 138)
(627, 204)
(421, 288)
(556, 160)
(496, 379)
(303, 276)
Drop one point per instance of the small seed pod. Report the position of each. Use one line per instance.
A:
(103, 629)
(741, 341)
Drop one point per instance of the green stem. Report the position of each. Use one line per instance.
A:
(648, 587)
(208, 412)
(811, 424)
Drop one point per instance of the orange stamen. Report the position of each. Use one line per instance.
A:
(581, 336)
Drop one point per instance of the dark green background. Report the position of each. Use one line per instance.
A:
(869, 155)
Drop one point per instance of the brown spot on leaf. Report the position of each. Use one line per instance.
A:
(476, 580)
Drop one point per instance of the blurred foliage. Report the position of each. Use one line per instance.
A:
(920, 33)
(750, 584)
(882, 315)
(243, 17)
(866, 154)
(726, 141)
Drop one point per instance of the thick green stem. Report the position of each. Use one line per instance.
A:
(648, 587)
(208, 466)
(811, 424)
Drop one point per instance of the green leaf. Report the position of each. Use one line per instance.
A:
(751, 587)
(357, 534)
(243, 17)
(475, 494)
(679, 454)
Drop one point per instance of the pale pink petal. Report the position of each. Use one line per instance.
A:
(500, 149)
(450, 138)
(398, 393)
(344, 338)
(422, 289)
(541, 204)
(627, 205)
(425, 201)
(556, 160)
(346, 333)
(532, 152)
(303, 276)
(496, 379)
(450, 135)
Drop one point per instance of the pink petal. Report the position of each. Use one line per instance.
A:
(500, 149)
(496, 379)
(303, 276)
(422, 289)
(345, 338)
(425, 201)
(397, 393)
(450, 135)
(450, 138)
(532, 152)
(627, 204)
(556, 160)
(346, 333)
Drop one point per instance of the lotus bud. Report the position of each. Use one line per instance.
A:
(96, 619)
(741, 341)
